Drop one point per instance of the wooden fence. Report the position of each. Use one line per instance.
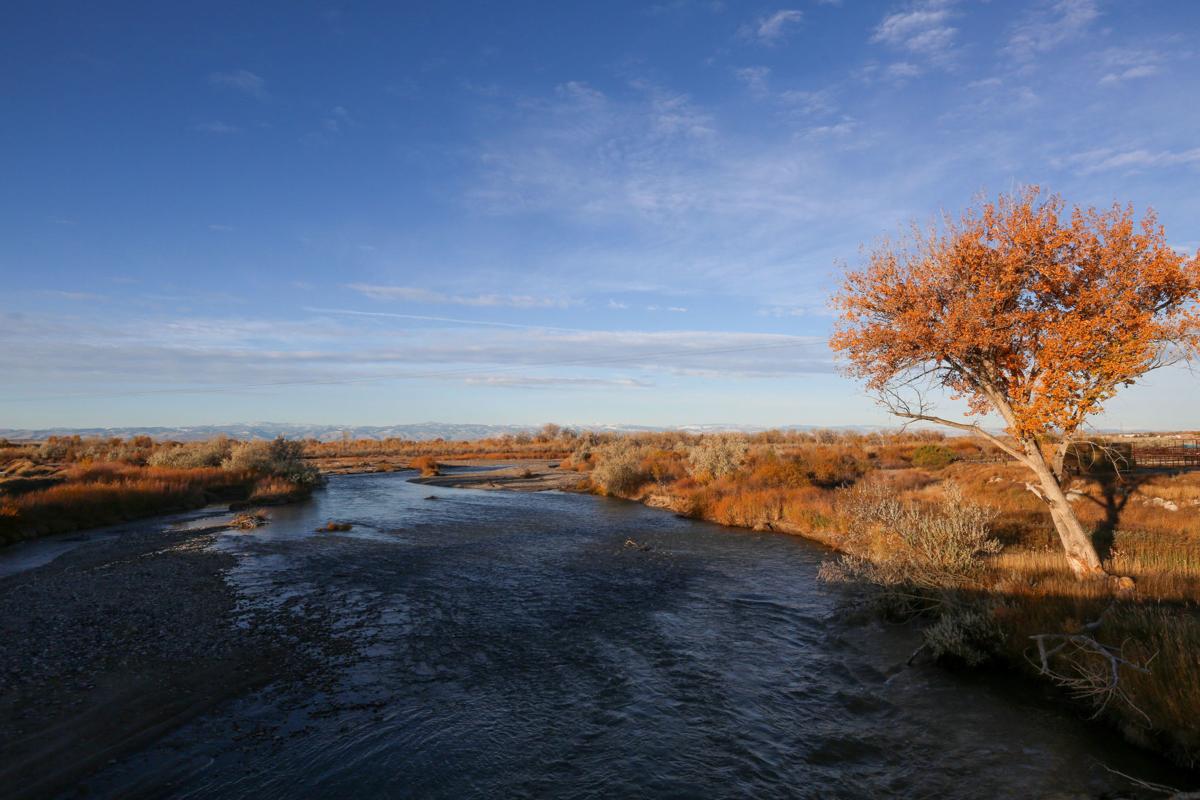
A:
(1184, 455)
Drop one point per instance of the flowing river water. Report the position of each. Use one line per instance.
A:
(512, 645)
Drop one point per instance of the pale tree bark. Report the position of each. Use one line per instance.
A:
(1077, 544)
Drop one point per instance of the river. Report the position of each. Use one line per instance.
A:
(513, 645)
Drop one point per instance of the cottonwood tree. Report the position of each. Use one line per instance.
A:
(1028, 311)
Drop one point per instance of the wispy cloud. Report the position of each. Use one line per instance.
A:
(232, 353)
(1051, 24)
(415, 294)
(1142, 71)
(217, 127)
(791, 102)
(755, 79)
(1107, 159)
(902, 71)
(528, 382)
(773, 28)
(923, 29)
(736, 212)
(241, 80)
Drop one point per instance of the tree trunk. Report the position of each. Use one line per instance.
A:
(1077, 544)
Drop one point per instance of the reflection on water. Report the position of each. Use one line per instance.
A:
(505, 645)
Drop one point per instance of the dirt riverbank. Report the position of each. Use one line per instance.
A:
(525, 476)
(119, 641)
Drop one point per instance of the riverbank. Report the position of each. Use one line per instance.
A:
(414, 648)
(113, 644)
(533, 475)
(1146, 637)
(60, 487)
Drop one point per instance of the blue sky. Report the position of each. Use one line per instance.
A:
(520, 212)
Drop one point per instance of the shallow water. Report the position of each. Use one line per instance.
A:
(32, 554)
(510, 645)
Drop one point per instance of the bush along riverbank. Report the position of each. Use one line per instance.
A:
(969, 551)
(67, 485)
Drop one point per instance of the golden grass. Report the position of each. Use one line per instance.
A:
(272, 489)
(104, 494)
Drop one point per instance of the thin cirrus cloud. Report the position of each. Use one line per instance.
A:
(1132, 73)
(218, 128)
(241, 80)
(530, 382)
(415, 294)
(923, 30)
(1049, 25)
(773, 28)
(52, 351)
(1106, 159)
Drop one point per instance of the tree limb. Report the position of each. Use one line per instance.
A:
(962, 426)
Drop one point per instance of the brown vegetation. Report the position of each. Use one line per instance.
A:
(427, 465)
(71, 483)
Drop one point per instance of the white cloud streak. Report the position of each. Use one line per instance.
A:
(413, 294)
(923, 29)
(333, 347)
(1051, 25)
(241, 80)
(773, 28)
(1106, 159)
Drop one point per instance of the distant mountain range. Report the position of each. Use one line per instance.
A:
(422, 431)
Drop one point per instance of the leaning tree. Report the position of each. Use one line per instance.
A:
(1028, 311)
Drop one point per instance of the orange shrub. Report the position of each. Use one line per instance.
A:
(835, 465)
(426, 464)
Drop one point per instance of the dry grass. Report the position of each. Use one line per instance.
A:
(274, 489)
(71, 483)
(105, 494)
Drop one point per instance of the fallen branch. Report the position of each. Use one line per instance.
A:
(1092, 669)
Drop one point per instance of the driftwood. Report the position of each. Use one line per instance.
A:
(1090, 669)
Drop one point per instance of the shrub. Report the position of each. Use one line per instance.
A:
(279, 457)
(770, 470)
(211, 453)
(619, 467)
(427, 465)
(717, 456)
(933, 456)
(962, 633)
(663, 466)
(932, 545)
(832, 465)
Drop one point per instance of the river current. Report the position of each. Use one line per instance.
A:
(515, 645)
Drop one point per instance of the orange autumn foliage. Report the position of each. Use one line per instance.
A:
(1027, 310)
(1051, 311)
